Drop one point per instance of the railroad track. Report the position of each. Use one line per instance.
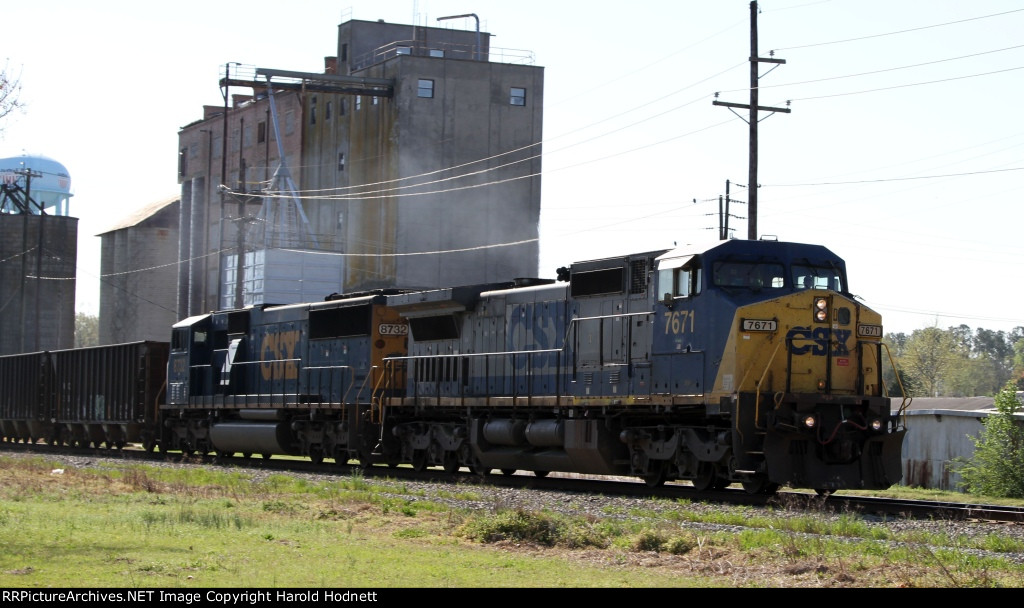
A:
(577, 484)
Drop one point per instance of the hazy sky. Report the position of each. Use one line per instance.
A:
(903, 152)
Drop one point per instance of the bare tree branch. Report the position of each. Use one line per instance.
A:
(10, 94)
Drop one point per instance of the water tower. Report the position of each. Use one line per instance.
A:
(38, 255)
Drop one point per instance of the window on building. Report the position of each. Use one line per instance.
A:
(261, 132)
(344, 52)
(341, 107)
(374, 100)
(359, 102)
(328, 111)
(403, 50)
(312, 111)
(517, 96)
(341, 161)
(436, 53)
(425, 88)
(182, 162)
(218, 146)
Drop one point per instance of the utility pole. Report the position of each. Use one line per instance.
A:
(753, 120)
(240, 266)
(29, 174)
(225, 90)
(724, 214)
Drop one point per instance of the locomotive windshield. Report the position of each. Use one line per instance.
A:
(817, 277)
(752, 275)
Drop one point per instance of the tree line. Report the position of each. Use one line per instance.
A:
(954, 362)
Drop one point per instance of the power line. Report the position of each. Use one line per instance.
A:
(882, 71)
(916, 29)
(892, 179)
(913, 84)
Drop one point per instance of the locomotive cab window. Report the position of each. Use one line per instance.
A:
(678, 278)
(817, 277)
(748, 275)
(179, 339)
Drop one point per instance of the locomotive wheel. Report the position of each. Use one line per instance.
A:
(478, 469)
(760, 485)
(316, 456)
(508, 471)
(706, 477)
(451, 462)
(656, 478)
(419, 460)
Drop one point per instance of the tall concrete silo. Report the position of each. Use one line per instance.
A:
(38, 255)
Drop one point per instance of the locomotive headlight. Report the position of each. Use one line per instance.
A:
(809, 422)
(876, 425)
(820, 310)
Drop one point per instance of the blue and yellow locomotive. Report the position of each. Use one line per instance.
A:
(741, 362)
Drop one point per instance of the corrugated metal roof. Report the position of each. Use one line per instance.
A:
(142, 214)
(951, 403)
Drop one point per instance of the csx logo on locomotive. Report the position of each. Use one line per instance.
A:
(806, 340)
(278, 356)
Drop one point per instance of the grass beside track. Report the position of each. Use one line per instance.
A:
(139, 526)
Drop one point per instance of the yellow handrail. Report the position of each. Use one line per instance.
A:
(376, 404)
(902, 412)
(757, 387)
(383, 384)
